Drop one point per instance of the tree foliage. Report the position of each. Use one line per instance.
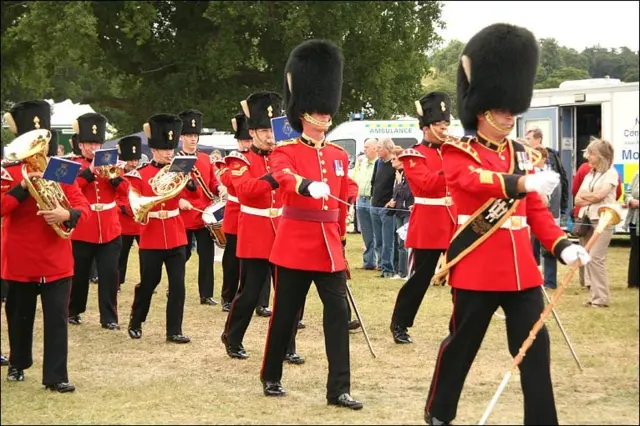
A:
(557, 64)
(132, 59)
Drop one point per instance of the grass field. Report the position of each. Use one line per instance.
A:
(121, 381)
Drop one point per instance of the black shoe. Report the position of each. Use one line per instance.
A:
(273, 389)
(135, 332)
(226, 306)
(294, 359)
(61, 387)
(15, 374)
(263, 311)
(75, 319)
(178, 338)
(111, 326)
(346, 401)
(354, 325)
(236, 352)
(400, 335)
(430, 420)
(205, 300)
(4, 361)
(301, 325)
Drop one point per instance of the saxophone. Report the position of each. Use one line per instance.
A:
(31, 148)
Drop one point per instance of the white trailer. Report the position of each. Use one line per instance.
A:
(578, 110)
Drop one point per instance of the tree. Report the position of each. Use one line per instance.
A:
(132, 59)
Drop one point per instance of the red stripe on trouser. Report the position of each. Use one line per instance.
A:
(427, 407)
(266, 343)
(233, 303)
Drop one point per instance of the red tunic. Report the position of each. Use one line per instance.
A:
(308, 244)
(198, 198)
(504, 261)
(166, 230)
(232, 208)
(103, 225)
(260, 203)
(127, 223)
(31, 250)
(432, 221)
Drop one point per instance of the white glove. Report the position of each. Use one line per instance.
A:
(319, 190)
(222, 190)
(574, 252)
(542, 182)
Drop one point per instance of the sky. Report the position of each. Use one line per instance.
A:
(574, 24)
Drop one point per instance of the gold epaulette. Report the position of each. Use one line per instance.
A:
(463, 144)
(335, 145)
(238, 156)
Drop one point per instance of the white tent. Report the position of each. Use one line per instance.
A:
(64, 113)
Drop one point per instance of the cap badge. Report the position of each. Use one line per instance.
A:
(170, 134)
(94, 129)
(36, 122)
(193, 122)
(270, 111)
(443, 107)
(133, 149)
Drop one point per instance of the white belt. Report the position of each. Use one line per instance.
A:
(261, 212)
(444, 201)
(102, 207)
(233, 199)
(514, 222)
(163, 214)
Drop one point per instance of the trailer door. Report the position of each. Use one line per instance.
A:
(545, 119)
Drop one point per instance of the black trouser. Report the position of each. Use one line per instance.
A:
(205, 250)
(152, 261)
(4, 288)
(127, 243)
(265, 293)
(348, 308)
(230, 269)
(633, 276)
(472, 313)
(412, 292)
(94, 269)
(21, 312)
(292, 287)
(106, 256)
(254, 272)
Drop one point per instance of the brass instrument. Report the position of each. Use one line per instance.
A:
(165, 185)
(109, 172)
(213, 226)
(31, 148)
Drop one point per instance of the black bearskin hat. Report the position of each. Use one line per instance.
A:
(497, 70)
(130, 148)
(74, 144)
(191, 122)
(260, 108)
(313, 80)
(29, 115)
(163, 131)
(91, 127)
(240, 127)
(53, 145)
(433, 108)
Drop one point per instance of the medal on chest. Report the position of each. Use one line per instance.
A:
(524, 161)
(337, 165)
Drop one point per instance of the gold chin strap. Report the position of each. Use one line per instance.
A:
(494, 123)
(440, 138)
(310, 119)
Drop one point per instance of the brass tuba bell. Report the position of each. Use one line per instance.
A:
(31, 148)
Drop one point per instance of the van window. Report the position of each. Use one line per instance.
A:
(349, 145)
(405, 142)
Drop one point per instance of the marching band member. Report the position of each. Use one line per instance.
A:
(260, 210)
(230, 262)
(309, 244)
(163, 238)
(199, 193)
(129, 151)
(36, 260)
(422, 166)
(489, 260)
(99, 237)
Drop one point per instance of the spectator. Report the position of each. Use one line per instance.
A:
(598, 188)
(402, 200)
(363, 175)
(60, 150)
(381, 195)
(534, 137)
(631, 224)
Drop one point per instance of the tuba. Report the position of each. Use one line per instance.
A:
(31, 148)
(165, 185)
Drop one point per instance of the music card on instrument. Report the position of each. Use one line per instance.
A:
(183, 163)
(61, 170)
(105, 157)
(282, 130)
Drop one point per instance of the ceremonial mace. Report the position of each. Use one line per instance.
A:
(609, 215)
